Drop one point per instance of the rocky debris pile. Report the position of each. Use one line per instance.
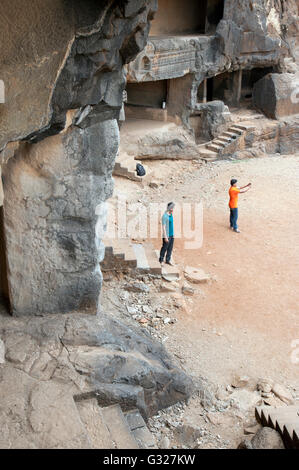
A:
(63, 358)
(172, 429)
(265, 438)
(218, 417)
(196, 275)
(148, 300)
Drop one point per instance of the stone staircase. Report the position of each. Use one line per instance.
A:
(125, 166)
(285, 420)
(227, 142)
(123, 255)
(111, 428)
(119, 255)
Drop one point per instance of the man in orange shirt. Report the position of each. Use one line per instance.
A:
(233, 203)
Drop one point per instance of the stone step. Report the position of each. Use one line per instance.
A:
(153, 261)
(118, 427)
(140, 430)
(214, 147)
(123, 247)
(224, 139)
(242, 127)
(219, 142)
(235, 130)
(120, 170)
(169, 273)
(232, 135)
(97, 431)
(119, 255)
(208, 155)
(146, 260)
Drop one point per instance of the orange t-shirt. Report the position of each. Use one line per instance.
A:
(233, 194)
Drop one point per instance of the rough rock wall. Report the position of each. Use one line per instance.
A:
(53, 362)
(252, 34)
(58, 56)
(51, 193)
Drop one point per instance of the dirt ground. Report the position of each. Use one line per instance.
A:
(243, 322)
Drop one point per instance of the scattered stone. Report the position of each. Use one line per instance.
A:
(273, 401)
(137, 287)
(168, 287)
(132, 310)
(240, 381)
(146, 309)
(222, 395)
(196, 275)
(244, 400)
(245, 444)
(265, 385)
(165, 443)
(267, 438)
(187, 290)
(153, 185)
(266, 395)
(252, 429)
(170, 277)
(283, 394)
(187, 434)
(143, 320)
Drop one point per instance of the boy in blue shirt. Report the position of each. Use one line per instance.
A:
(167, 234)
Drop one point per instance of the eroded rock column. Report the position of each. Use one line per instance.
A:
(51, 191)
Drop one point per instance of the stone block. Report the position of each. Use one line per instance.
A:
(277, 95)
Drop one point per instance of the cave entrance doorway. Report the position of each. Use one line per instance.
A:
(219, 87)
(249, 78)
(147, 100)
(4, 286)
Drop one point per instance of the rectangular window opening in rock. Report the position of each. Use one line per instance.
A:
(4, 286)
(177, 17)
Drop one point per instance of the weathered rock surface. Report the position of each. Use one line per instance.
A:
(2, 352)
(265, 438)
(215, 116)
(52, 361)
(277, 95)
(50, 219)
(196, 275)
(283, 394)
(66, 58)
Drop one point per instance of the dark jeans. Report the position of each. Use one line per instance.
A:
(166, 248)
(233, 218)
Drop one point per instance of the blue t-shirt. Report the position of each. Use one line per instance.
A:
(167, 220)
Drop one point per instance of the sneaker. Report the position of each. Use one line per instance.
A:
(237, 230)
(170, 263)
